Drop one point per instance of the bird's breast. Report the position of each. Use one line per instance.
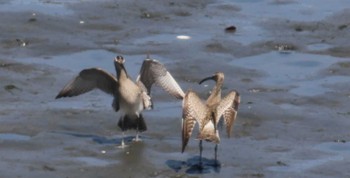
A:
(130, 99)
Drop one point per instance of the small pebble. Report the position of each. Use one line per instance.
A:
(231, 29)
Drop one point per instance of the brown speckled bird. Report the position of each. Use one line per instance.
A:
(208, 114)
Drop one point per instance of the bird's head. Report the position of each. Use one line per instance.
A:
(119, 65)
(217, 77)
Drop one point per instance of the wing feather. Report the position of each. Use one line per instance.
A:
(193, 111)
(228, 108)
(87, 80)
(152, 71)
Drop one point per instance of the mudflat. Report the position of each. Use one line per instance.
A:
(288, 59)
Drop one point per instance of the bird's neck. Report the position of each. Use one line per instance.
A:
(122, 74)
(215, 95)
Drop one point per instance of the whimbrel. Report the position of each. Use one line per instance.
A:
(128, 96)
(207, 114)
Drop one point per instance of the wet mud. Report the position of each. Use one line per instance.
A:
(288, 59)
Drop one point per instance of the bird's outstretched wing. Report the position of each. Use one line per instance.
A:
(193, 111)
(89, 79)
(228, 108)
(152, 71)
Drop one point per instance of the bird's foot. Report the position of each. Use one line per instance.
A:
(122, 145)
(137, 139)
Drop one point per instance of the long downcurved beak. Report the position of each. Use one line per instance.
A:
(208, 78)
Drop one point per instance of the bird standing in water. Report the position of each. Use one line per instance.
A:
(208, 114)
(128, 96)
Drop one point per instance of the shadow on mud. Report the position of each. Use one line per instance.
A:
(193, 166)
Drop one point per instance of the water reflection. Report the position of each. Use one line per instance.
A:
(101, 139)
(193, 166)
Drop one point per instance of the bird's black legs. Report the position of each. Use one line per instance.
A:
(200, 152)
(136, 139)
(122, 144)
(140, 127)
(216, 153)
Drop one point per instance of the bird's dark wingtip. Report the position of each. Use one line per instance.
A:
(61, 95)
(58, 96)
(183, 147)
(180, 97)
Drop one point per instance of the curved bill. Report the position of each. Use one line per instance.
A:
(208, 78)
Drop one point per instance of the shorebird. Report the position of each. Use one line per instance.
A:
(208, 114)
(128, 96)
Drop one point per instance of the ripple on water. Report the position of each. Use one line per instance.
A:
(35, 6)
(14, 137)
(312, 10)
(91, 58)
(91, 161)
(303, 165)
(335, 147)
(295, 69)
(338, 151)
(319, 47)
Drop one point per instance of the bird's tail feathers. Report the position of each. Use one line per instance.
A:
(132, 122)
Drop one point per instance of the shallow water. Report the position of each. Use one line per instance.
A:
(295, 70)
(335, 147)
(294, 101)
(13, 137)
(292, 10)
(36, 6)
(91, 161)
(338, 152)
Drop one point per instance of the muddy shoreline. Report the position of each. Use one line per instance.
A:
(291, 68)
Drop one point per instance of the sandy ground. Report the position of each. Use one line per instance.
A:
(288, 59)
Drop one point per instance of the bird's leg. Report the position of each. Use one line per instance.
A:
(122, 144)
(137, 138)
(216, 154)
(200, 153)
